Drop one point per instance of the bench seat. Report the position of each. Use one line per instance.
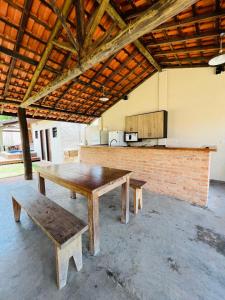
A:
(137, 185)
(62, 227)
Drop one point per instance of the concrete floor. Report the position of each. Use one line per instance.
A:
(172, 250)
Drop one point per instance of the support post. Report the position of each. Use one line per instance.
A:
(25, 143)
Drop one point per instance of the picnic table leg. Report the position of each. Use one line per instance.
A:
(16, 210)
(125, 202)
(41, 184)
(93, 224)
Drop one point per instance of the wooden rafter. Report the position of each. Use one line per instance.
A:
(187, 50)
(94, 22)
(179, 40)
(48, 49)
(65, 45)
(47, 109)
(190, 21)
(23, 58)
(80, 21)
(150, 19)
(62, 18)
(122, 24)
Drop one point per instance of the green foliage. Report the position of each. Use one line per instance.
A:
(5, 118)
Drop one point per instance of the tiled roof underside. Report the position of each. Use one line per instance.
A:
(188, 40)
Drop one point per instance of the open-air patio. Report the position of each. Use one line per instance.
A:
(171, 250)
(112, 149)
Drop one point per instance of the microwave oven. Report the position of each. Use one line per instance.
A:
(131, 137)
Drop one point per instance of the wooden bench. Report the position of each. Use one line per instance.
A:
(62, 227)
(137, 185)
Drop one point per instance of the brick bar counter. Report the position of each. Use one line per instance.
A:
(179, 172)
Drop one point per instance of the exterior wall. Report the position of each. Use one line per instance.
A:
(179, 173)
(69, 137)
(56, 144)
(195, 101)
(72, 135)
(11, 138)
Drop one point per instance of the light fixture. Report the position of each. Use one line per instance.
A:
(103, 98)
(219, 59)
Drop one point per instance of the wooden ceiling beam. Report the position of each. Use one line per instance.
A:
(62, 18)
(65, 46)
(17, 27)
(122, 24)
(187, 50)
(80, 21)
(36, 117)
(25, 59)
(151, 18)
(47, 109)
(48, 49)
(186, 59)
(94, 22)
(17, 6)
(184, 39)
(190, 21)
(23, 23)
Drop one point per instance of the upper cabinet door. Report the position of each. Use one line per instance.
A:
(131, 124)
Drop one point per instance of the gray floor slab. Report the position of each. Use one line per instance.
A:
(171, 250)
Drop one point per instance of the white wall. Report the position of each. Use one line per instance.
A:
(195, 100)
(11, 138)
(56, 145)
(69, 136)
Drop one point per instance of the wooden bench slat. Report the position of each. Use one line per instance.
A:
(59, 224)
(134, 183)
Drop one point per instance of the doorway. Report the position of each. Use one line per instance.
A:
(43, 156)
(48, 145)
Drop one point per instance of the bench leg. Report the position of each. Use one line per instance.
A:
(138, 204)
(73, 195)
(63, 255)
(16, 210)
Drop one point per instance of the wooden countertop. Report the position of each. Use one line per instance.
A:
(206, 149)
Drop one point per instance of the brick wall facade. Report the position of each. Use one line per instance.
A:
(180, 173)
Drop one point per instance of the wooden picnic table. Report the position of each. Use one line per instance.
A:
(91, 181)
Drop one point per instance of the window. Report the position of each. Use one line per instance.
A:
(36, 134)
(54, 132)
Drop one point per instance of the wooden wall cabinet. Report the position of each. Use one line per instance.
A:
(149, 126)
(131, 124)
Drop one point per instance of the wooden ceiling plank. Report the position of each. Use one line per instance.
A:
(94, 22)
(48, 49)
(151, 18)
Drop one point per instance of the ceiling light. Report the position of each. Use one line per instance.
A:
(104, 98)
(219, 59)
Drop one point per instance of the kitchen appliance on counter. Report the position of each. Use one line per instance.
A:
(116, 139)
(131, 137)
(95, 136)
